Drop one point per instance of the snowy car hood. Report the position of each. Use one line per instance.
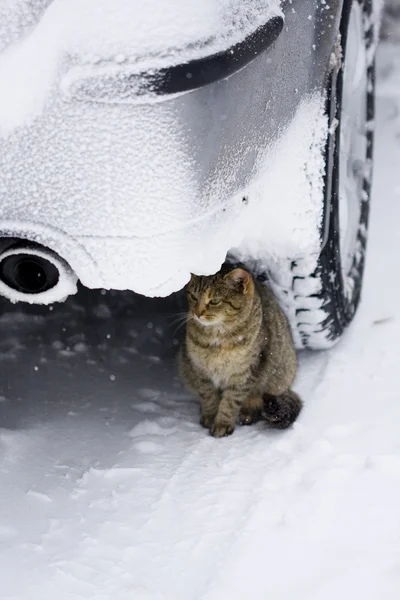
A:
(138, 28)
(37, 38)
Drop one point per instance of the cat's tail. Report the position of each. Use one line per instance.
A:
(281, 411)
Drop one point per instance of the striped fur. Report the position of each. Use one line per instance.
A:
(238, 355)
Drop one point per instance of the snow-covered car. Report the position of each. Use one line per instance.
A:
(143, 141)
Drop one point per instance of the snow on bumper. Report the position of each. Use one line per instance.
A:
(151, 239)
(138, 195)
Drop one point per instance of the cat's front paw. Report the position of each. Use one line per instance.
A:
(207, 421)
(251, 410)
(221, 429)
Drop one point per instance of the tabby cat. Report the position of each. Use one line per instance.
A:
(238, 355)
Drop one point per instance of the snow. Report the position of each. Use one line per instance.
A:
(158, 254)
(149, 35)
(111, 489)
(390, 21)
(103, 28)
(293, 228)
(87, 178)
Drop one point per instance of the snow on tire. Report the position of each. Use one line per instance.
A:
(324, 292)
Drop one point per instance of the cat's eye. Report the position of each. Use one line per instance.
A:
(192, 297)
(215, 301)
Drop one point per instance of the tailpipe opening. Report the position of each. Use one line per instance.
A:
(34, 274)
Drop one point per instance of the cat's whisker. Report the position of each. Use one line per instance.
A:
(175, 315)
(180, 318)
(183, 322)
(180, 313)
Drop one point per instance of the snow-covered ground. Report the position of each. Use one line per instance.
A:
(110, 490)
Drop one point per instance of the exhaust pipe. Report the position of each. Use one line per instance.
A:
(32, 273)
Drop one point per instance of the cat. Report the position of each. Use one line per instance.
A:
(238, 355)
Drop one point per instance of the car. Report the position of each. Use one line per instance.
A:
(143, 142)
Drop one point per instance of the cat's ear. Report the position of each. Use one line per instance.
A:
(240, 280)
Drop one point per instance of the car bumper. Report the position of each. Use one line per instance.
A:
(136, 195)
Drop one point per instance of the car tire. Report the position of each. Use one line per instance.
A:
(322, 301)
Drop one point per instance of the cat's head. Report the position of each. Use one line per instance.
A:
(220, 299)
